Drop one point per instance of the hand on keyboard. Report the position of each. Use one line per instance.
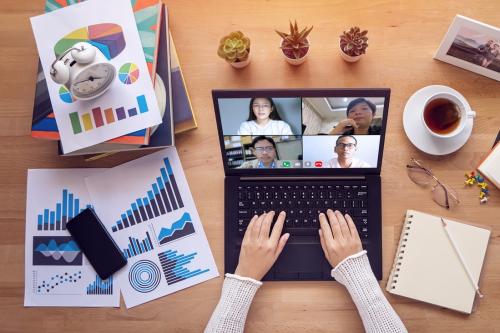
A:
(259, 250)
(339, 236)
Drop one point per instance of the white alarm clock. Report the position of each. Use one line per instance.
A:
(84, 70)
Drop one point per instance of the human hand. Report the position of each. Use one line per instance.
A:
(259, 250)
(342, 125)
(339, 237)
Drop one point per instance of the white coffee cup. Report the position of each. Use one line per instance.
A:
(465, 114)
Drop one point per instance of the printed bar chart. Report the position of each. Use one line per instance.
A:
(173, 264)
(163, 197)
(65, 210)
(97, 115)
(100, 286)
(136, 246)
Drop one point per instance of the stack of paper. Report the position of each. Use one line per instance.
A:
(147, 208)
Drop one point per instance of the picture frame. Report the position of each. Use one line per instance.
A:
(472, 45)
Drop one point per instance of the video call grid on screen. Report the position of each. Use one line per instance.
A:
(309, 132)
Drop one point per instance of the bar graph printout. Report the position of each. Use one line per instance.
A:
(147, 207)
(56, 271)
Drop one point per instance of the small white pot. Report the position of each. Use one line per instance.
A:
(293, 61)
(349, 58)
(241, 64)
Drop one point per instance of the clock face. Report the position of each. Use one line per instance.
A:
(93, 80)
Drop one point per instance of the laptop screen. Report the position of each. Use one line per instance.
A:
(276, 130)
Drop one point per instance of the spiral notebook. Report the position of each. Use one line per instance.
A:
(427, 267)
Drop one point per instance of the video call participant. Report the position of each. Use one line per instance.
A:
(360, 114)
(264, 149)
(264, 119)
(346, 147)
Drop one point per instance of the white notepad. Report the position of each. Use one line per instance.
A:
(489, 167)
(428, 269)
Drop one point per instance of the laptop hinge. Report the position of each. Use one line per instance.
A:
(306, 178)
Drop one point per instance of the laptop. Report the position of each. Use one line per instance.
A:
(302, 151)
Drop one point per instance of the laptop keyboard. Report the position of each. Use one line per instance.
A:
(302, 204)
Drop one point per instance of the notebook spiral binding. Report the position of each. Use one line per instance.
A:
(400, 253)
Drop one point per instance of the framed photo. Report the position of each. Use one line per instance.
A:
(472, 45)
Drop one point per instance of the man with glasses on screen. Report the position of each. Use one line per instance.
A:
(345, 148)
(264, 149)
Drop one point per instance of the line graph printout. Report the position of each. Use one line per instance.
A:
(147, 207)
(56, 271)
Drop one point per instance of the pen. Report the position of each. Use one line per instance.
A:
(476, 287)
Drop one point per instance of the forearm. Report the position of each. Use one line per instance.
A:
(231, 312)
(376, 313)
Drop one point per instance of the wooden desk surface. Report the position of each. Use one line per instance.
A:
(404, 35)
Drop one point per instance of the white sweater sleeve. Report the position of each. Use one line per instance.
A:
(377, 314)
(231, 312)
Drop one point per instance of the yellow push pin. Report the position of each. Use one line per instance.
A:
(469, 181)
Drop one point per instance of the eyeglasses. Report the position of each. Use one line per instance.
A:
(261, 106)
(346, 145)
(443, 195)
(268, 149)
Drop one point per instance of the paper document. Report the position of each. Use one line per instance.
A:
(56, 271)
(147, 207)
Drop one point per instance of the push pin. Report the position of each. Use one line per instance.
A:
(473, 178)
(470, 181)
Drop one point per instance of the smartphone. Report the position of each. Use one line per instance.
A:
(96, 243)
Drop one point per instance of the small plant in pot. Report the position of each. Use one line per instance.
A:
(353, 44)
(235, 49)
(295, 45)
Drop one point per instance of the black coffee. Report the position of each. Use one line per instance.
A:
(442, 116)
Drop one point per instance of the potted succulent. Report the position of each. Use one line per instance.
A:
(235, 49)
(353, 44)
(295, 45)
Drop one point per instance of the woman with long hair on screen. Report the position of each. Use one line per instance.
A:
(264, 119)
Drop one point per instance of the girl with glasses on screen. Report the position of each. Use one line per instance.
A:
(264, 119)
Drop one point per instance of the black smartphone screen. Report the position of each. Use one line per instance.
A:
(96, 243)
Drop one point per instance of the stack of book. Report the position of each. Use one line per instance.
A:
(165, 71)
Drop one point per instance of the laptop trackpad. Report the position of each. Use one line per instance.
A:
(300, 258)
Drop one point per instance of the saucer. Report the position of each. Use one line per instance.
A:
(418, 134)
